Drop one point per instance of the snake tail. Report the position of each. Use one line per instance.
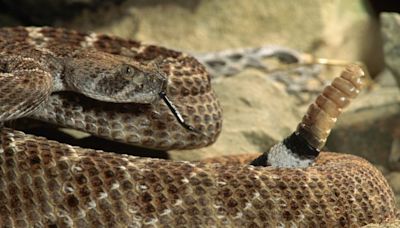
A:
(302, 147)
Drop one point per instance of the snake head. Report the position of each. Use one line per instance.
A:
(113, 78)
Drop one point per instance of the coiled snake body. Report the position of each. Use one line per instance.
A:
(110, 87)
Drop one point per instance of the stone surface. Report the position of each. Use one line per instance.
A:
(257, 114)
(390, 145)
(394, 156)
(367, 127)
(390, 33)
(47, 12)
(394, 181)
(332, 29)
(6, 20)
(386, 78)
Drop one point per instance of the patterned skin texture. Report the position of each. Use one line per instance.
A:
(85, 62)
(44, 183)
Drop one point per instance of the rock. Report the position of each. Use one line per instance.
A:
(386, 79)
(394, 181)
(257, 114)
(390, 32)
(7, 20)
(48, 12)
(334, 29)
(384, 170)
(367, 128)
(394, 156)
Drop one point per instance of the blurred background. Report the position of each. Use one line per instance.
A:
(268, 60)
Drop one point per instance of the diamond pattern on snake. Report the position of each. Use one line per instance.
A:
(154, 97)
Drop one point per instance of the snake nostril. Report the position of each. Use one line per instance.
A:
(138, 88)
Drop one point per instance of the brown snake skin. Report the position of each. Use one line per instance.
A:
(44, 183)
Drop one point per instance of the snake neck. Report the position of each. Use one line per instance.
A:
(56, 67)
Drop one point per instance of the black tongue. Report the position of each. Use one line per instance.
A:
(176, 113)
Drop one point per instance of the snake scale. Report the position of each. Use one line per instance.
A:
(112, 88)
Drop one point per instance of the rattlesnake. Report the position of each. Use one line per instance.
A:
(44, 183)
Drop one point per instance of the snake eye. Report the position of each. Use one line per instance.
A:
(128, 70)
